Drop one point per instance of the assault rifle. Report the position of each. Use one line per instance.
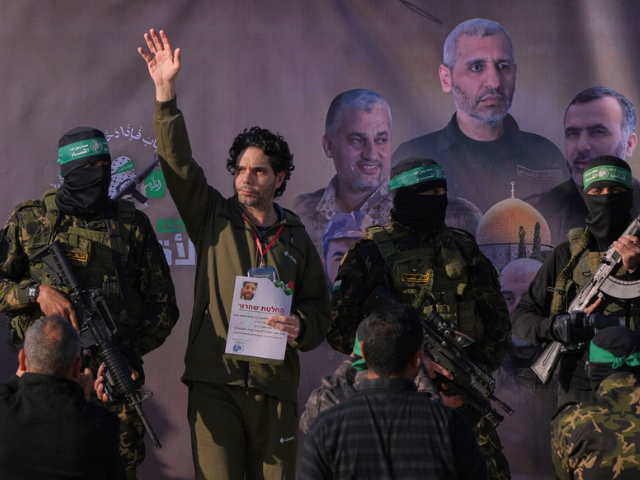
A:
(602, 282)
(449, 348)
(130, 186)
(97, 329)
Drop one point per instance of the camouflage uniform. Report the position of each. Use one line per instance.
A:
(601, 439)
(151, 311)
(316, 209)
(474, 303)
(332, 390)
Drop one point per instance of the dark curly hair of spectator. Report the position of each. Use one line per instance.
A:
(273, 146)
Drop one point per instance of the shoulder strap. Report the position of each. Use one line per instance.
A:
(53, 214)
(579, 241)
(117, 248)
(382, 239)
(126, 212)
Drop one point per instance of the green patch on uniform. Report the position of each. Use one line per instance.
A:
(417, 175)
(81, 257)
(336, 286)
(171, 225)
(155, 185)
(82, 149)
(607, 173)
(127, 167)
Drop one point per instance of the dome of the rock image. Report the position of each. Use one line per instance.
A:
(502, 222)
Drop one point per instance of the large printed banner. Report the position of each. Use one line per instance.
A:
(278, 64)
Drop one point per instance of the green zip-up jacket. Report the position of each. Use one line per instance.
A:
(226, 248)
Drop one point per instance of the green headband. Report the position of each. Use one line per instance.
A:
(360, 364)
(82, 149)
(606, 173)
(600, 355)
(416, 176)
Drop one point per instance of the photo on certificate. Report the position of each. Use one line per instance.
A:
(248, 290)
(249, 336)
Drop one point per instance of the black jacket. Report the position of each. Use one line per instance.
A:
(482, 172)
(49, 431)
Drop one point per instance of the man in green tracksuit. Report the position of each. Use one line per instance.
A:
(242, 413)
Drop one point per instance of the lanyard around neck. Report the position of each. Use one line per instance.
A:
(262, 251)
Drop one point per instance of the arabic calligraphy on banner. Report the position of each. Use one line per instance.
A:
(128, 132)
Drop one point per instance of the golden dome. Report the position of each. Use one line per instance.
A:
(502, 222)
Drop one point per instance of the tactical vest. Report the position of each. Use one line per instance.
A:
(575, 275)
(91, 256)
(441, 269)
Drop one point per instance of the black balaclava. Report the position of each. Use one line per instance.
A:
(610, 214)
(613, 349)
(409, 178)
(85, 191)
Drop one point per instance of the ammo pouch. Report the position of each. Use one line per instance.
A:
(441, 270)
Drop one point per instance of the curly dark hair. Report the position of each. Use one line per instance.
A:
(273, 146)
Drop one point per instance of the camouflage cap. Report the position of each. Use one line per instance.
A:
(345, 225)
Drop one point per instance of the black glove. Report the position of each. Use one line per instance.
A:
(572, 328)
(577, 328)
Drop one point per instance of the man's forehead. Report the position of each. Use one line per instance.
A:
(354, 120)
(253, 157)
(489, 48)
(342, 243)
(599, 111)
(520, 270)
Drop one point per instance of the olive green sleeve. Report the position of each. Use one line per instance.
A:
(194, 198)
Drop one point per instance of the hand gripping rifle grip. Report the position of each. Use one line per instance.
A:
(120, 376)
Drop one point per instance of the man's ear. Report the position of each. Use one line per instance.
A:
(632, 142)
(445, 78)
(362, 351)
(280, 176)
(416, 358)
(326, 145)
(76, 368)
(22, 360)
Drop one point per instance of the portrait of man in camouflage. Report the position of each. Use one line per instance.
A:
(110, 246)
(357, 138)
(340, 233)
(416, 253)
(600, 440)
